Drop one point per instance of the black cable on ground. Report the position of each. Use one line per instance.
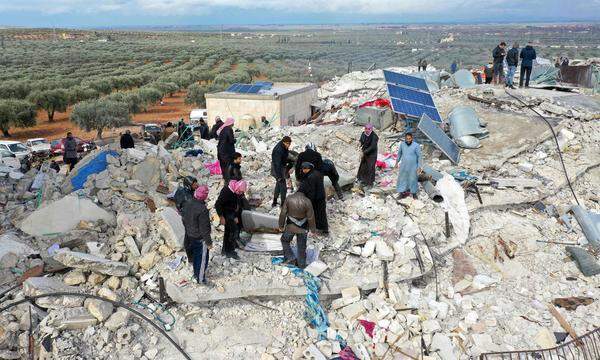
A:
(562, 162)
(115, 303)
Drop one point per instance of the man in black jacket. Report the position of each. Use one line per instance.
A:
(215, 127)
(126, 140)
(234, 171)
(203, 129)
(229, 207)
(498, 55)
(311, 155)
(70, 151)
(279, 160)
(185, 192)
(313, 188)
(196, 221)
(328, 169)
(368, 146)
(512, 60)
(226, 146)
(527, 56)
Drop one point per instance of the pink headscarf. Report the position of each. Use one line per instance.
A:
(238, 186)
(368, 129)
(201, 193)
(230, 121)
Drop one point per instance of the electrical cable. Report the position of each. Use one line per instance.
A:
(562, 162)
(32, 299)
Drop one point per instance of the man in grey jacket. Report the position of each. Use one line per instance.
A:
(197, 242)
(296, 219)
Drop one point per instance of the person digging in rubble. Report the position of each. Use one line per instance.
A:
(296, 218)
(311, 155)
(197, 241)
(234, 171)
(126, 140)
(498, 54)
(226, 146)
(229, 206)
(185, 192)
(368, 145)
(215, 128)
(409, 156)
(313, 188)
(328, 169)
(70, 151)
(279, 162)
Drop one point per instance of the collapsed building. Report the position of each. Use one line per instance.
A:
(499, 256)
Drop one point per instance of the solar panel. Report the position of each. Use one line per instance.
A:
(264, 84)
(415, 110)
(415, 96)
(439, 138)
(244, 88)
(233, 88)
(254, 89)
(405, 80)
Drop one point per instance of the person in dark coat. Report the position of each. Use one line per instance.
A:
(311, 155)
(512, 60)
(197, 241)
(70, 151)
(527, 56)
(498, 54)
(279, 162)
(313, 188)
(328, 169)
(488, 71)
(297, 218)
(215, 128)
(229, 207)
(368, 145)
(226, 146)
(180, 128)
(185, 192)
(127, 140)
(234, 171)
(203, 129)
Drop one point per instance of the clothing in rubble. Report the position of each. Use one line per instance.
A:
(126, 141)
(196, 221)
(328, 169)
(279, 159)
(368, 145)
(313, 188)
(229, 206)
(226, 146)
(311, 156)
(296, 218)
(409, 156)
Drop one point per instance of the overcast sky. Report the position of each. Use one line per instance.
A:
(98, 13)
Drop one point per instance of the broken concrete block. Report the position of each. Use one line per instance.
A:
(101, 310)
(136, 154)
(44, 285)
(313, 353)
(171, 227)
(384, 252)
(147, 261)
(526, 167)
(148, 172)
(96, 279)
(117, 320)
(545, 339)
(73, 319)
(351, 295)
(131, 245)
(108, 294)
(316, 268)
(353, 311)
(443, 346)
(74, 277)
(63, 215)
(113, 282)
(9, 243)
(368, 249)
(88, 262)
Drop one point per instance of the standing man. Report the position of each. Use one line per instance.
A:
(527, 56)
(127, 140)
(279, 159)
(70, 151)
(512, 60)
(424, 64)
(180, 128)
(498, 54)
(311, 155)
(313, 188)
(197, 241)
(453, 67)
(215, 127)
(328, 169)
(296, 219)
(229, 207)
(185, 192)
(368, 145)
(234, 171)
(226, 146)
(409, 156)
(203, 128)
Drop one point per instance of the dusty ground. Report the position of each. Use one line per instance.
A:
(173, 109)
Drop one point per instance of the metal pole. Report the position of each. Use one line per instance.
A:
(447, 218)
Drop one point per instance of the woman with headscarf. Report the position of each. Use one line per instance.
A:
(368, 146)
(197, 241)
(229, 207)
(226, 146)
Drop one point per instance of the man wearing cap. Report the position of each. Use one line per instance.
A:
(368, 146)
(185, 192)
(311, 155)
(296, 219)
(197, 241)
(312, 187)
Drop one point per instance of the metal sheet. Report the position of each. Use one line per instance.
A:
(405, 80)
(465, 121)
(590, 224)
(464, 79)
(439, 138)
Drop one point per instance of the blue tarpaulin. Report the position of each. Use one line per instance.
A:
(94, 165)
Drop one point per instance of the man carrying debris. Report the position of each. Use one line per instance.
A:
(234, 171)
(185, 192)
(512, 60)
(279, 159)
(70, 151)
(296, 219)
(368, 145)
(226, 146)
(409, 156)
(527, 56)
(311, 155)
(313, 188)
(498, 55)
(215, 127)
(229, 207)
(328, 169)
(197, 242)
(126, 140)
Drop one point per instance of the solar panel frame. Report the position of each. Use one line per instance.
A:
(415, 110)
(428, 127)
(233, 88)
(254, 89)
(405, 80)
(417, 97)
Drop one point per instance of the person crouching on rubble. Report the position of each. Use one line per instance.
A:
(296, 219)
(313, 188)
(368, 146)
(197, 241)
(185, 192)
(229, 207)
(409, 156)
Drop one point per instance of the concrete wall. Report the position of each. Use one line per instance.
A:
(238, 108)
(295, 108)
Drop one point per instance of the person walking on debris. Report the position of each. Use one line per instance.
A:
(328, 169)
(311, 155)
(498, 55)
(70, 151)
(215, 128)
(203, 129)
(126, 140)
(368, 145)
(234, 171)
(197, 241)
(297, 218)
(409, 156)
(229, 207)
(527, 56)
(279, 159)
(512, 60)
(226, 146)
(313, 188)
(185, 192)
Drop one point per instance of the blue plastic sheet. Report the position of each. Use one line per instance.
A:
(93, 166)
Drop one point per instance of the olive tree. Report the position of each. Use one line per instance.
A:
(50, 100)
(99, 115)
(81, 93)
(16, 113)
(195, 95)
(149, 95)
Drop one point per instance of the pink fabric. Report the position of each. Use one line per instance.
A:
(347, 354)
(201, 192)
(369, 327)
(238, 186)
(214, 168)
(368, 129)
(230, 121)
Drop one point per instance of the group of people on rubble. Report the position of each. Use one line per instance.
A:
(494, 72)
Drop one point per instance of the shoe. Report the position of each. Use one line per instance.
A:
(232, 255)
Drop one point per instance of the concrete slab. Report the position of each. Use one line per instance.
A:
(9, 243)
(88, 262)
(171, 227)
(44, 285)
